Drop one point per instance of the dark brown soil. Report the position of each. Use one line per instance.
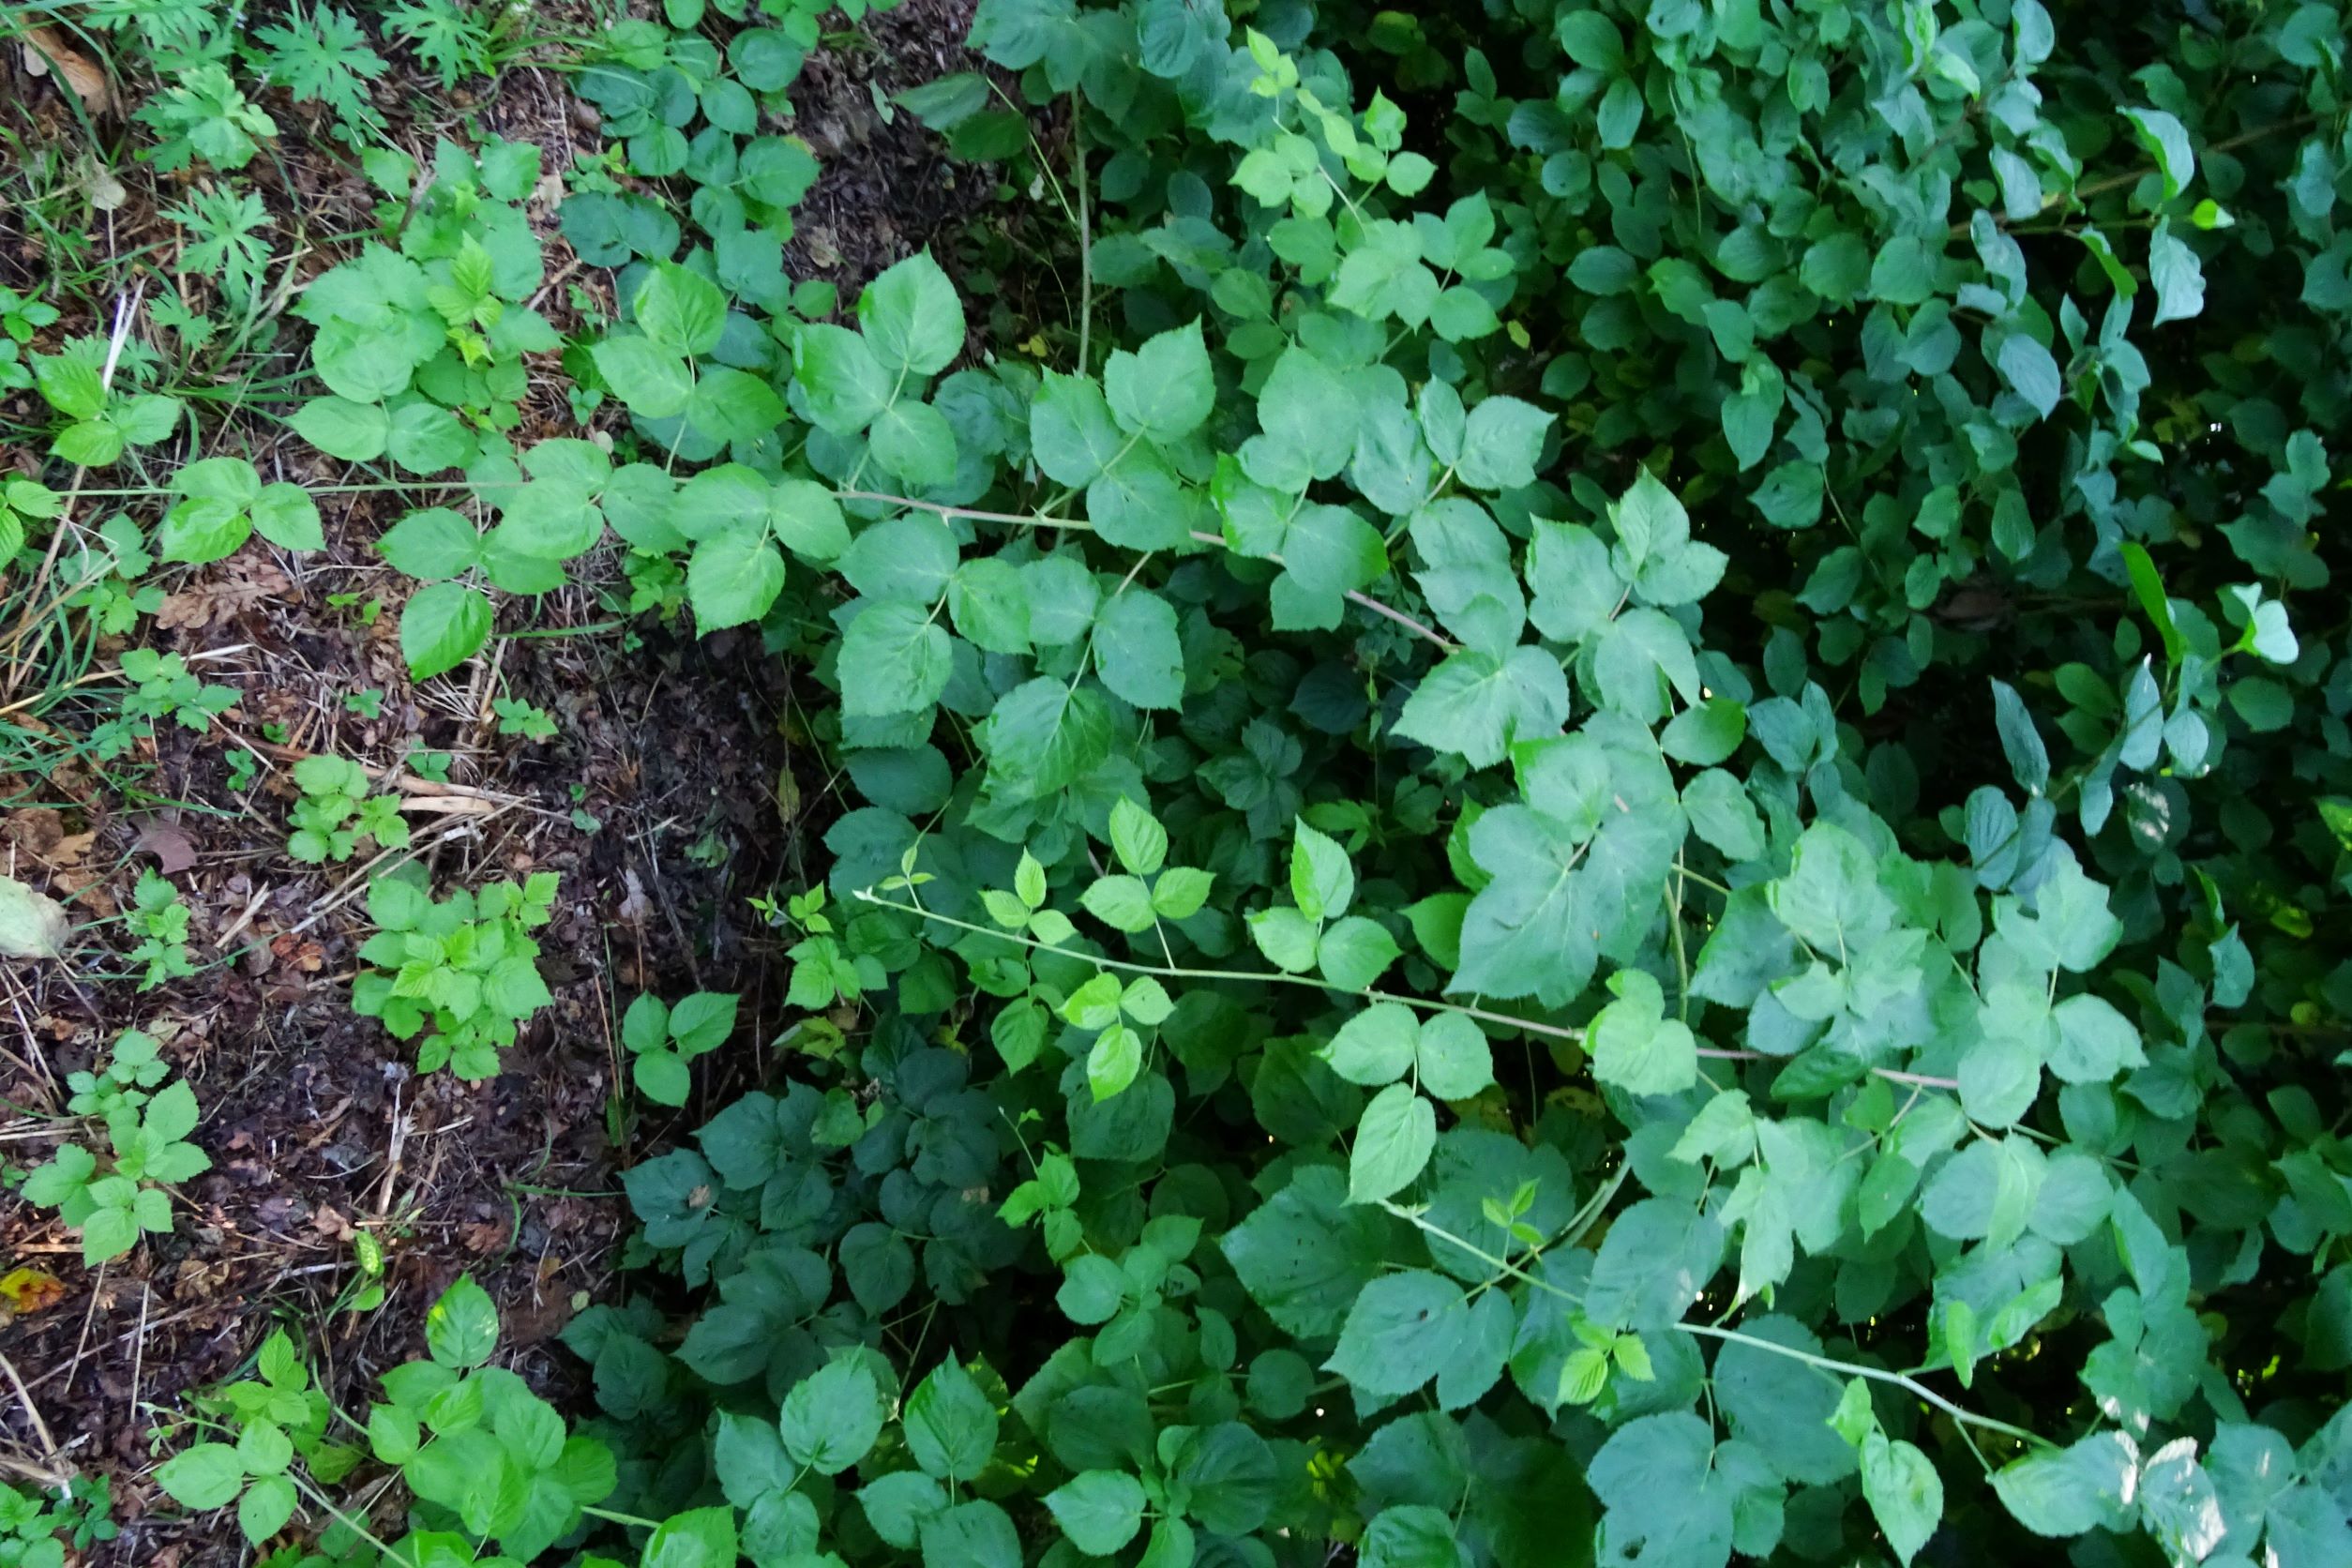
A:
(656, 801)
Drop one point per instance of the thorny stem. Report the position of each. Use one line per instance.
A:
(1175, 971)
(1707, 1330)
(2083, 194)
(1045, 520)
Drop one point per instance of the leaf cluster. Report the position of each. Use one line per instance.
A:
(457, 974)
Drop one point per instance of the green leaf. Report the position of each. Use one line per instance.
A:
(442, 627)
(2179, 276)
(2029, 759)
(1138, 650)
(1322, 884)
(355, 432)
(1619, 114)
(91, 444)
(679, 310)
(701, 1022)
(1137, 837)
(1113, 1061)
(806, 519)
(207, 1475)
(1905, 1494)
(1305, 1253)
(1042, 735)
(1453, 1057)
(1668, 1501)
(1180, 892)
(733, 578)
(2031, 372)
(1655, 1262)
(1501, 445)
(1285, 937)
(699, 1538)
(71, 387)
(988, 601)
(971, 1535)
(265, 1508)
(1122, 902)
(202, 529)
(2167, 140)
(1642, 661)
(1165, 390)
(1413, 1535)
(914, 440)
(426, 439)
(1402, 1331)
(1377, 1046)
(2073, 1490)
(1393, 1144)
(906, 557)
(733, 405)
(649, 380)
(897, 1504)
(895, 658)
(950, 1425)
(912, 317)
(1100, 1511)
(1591, 38)
(1837, 267)
(462, 1328)
(830, 1420)
(662, 1078)
(844, 384)
(1072, 432)
(1093, 1289)
(1635, 1047)
(432, 544)
(286, 516)
(1354, 951)
(1704, 735)
(1475, 706)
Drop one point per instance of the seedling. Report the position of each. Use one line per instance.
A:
(163, 688)
(113, 1199)
(457, 974)
(663, 1039)
(518, 717)
(339, 812)
(158, 917)
(132, 1067)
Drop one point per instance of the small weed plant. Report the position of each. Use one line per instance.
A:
(662, 1038)
(116, 1196)
(339, 811)
(158, 917)
(456, 975)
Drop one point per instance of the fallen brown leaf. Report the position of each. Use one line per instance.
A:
(45, 48)
(31, 1291)
(169, 843)
(242, 586)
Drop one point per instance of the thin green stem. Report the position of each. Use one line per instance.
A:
(1276, 977)
(1044, 519)
(1175, 972)
(1086, 239)
(1708, 1331)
